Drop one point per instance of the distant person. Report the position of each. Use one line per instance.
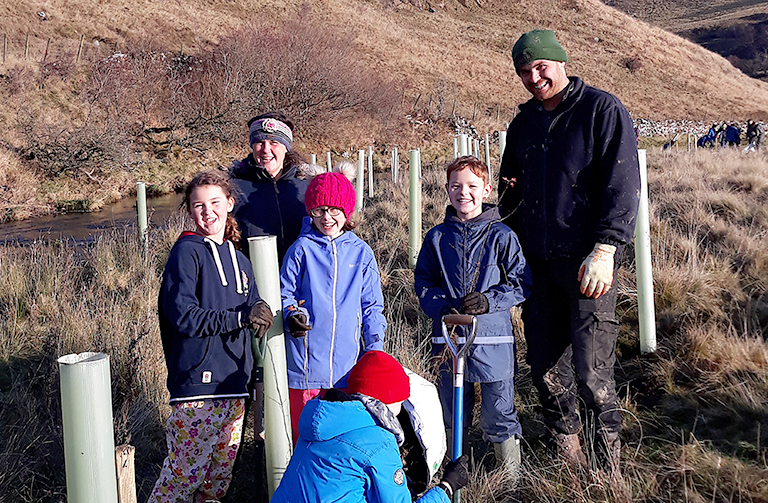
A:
(331, 293)
(754, 136)
(269, 180)
(570, 186)
(208, 302)
(348, 449)
(472, 264)
(721, 139)
(732, 135)
(708, 140)
(672, 142)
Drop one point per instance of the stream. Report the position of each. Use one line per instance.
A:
(86, 226)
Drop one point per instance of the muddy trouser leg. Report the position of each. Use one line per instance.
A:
(594, 355)
(547, 317)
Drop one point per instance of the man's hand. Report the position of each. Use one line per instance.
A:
(596, 272)
(475, 303)
(298, 326)
(260, 318)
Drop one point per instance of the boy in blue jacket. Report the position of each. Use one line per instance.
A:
(472, 264)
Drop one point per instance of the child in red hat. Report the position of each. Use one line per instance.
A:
(348, 451)
(331, 293)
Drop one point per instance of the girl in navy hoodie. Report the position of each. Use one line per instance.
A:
(208, 302)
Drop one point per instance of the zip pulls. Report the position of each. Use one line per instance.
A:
(333, 303)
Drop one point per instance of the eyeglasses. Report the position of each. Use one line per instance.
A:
(319, 212)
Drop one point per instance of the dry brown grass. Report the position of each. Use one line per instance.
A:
(695, 427)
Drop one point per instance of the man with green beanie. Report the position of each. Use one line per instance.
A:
(569, 188)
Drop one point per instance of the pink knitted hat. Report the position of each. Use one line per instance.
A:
(331, 189)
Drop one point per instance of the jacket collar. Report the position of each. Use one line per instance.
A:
(247, 169)
(490, 214)
(573, 92)
(307, 230)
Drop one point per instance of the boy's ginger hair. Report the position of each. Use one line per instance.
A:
(474, 164)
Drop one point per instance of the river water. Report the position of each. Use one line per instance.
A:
(86, 226)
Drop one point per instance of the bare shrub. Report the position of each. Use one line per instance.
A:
(632, 64)
(91, 149)
(311, 74)
(62, 67)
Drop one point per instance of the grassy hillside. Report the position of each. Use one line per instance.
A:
(737, 31)
(462, 50)
(161, 89)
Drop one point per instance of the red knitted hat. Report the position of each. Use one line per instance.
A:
(380, 376)
(331, 189)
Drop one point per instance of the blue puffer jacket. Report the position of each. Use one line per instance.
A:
(340, 283)
(344, 456)
(268, 207)
(576, 174)
(207, 289)
(479, 255)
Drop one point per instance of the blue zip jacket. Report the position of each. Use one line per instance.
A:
(577, 180)
(340, 283)
(268, 207)
(344, 456)
(479, 255)
(206, 290)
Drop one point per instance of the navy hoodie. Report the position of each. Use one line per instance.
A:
(206, 293)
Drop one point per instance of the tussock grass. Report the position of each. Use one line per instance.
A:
(695, 420)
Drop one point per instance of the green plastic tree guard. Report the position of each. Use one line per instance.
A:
(278, 444)
(86, 416)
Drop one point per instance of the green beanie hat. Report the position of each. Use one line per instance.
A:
(537, 44)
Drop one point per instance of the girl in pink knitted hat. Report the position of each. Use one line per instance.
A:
(331, 293)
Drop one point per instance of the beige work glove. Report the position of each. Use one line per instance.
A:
(596, 272)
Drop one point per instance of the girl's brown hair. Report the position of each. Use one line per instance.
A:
(221, 180)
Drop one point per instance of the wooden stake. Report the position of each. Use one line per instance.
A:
(474, 112)
(5, 46)
(453, 111)
(79, 49)
(47, 46)
(126, 474)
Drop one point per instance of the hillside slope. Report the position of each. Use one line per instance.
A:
(453, 52)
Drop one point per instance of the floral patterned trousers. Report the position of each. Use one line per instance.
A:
(203, 437)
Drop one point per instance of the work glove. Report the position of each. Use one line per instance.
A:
(455, 475)
(475, 303)
(596, 272)
(298, 326)
(260, 318)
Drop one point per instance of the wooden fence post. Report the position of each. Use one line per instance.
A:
(79, 49)
(126, 474)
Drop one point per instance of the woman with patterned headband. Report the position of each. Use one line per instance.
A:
(272, 193)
